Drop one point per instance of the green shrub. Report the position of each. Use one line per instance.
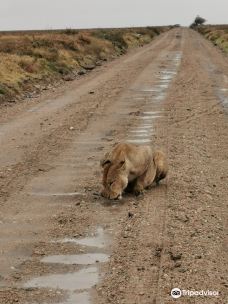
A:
(69, 31)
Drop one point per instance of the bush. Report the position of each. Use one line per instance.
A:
(69, 31)
(115, 36)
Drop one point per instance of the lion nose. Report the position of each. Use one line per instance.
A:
(119, 197)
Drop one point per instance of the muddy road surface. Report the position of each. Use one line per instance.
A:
(60, 242)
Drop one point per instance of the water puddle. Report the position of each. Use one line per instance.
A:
(152, 113)
(145, 127)
(169, 72)
(221, 81)
(139, 141)
(76, 284)
(147, 117)
(100, 239)
(165, 77)
(157, 90)
(163, 85)
(141, 135)
(159, 98)
(140, 131)
(77, 298)
(77, 259)
(82, 279)
(151, 117)
(222, 94)
(57, 194)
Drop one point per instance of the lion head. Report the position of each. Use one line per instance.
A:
(116, 179)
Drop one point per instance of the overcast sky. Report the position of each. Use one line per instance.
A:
(51, 14)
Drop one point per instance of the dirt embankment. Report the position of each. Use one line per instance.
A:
(33, 61)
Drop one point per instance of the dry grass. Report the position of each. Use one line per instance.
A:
(32, 57)
(217, 34)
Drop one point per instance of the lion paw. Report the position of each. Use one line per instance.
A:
(138, 191)
(104, 193)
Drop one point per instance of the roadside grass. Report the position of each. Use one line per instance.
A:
(217, 34)
(27, 58)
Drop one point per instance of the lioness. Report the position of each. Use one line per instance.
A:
(129, 165)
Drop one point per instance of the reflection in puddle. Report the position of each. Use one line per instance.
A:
(77, 298)
(151, 117)
(165, 77)
(139, 141)
(80, 259)
(82, 279)
(225, 102)
(163, 85)
(159, 98)
(140, 131)
(143, 136)
(152, 113)
(146, 117)
(158, 94)
(99, 240)
(56, 194)
(145, 127)
(169, 72)
(222, 94)
(151, 90)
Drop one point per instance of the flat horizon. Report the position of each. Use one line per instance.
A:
(83, 14)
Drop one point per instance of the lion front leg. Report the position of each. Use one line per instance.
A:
(138, 188)
(145, 180)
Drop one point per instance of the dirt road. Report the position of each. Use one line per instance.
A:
(60, 242)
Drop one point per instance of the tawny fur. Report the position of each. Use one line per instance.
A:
(131, 164)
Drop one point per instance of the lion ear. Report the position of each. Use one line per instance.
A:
(105, 160)
(122, 160)
(122, 164)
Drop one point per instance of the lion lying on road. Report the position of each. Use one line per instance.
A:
(131, 166)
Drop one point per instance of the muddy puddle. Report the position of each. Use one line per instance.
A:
(222, 93)
(99, 239)
(60, 194)
(139, 141)
(140, 131)
(76, 284)
(144, 131)
(221, 81)
(77, 298)
(82, 279)
(77, 259)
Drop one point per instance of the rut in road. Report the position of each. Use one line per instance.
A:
(62, 243)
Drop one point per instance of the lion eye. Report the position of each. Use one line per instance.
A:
(111, 183)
